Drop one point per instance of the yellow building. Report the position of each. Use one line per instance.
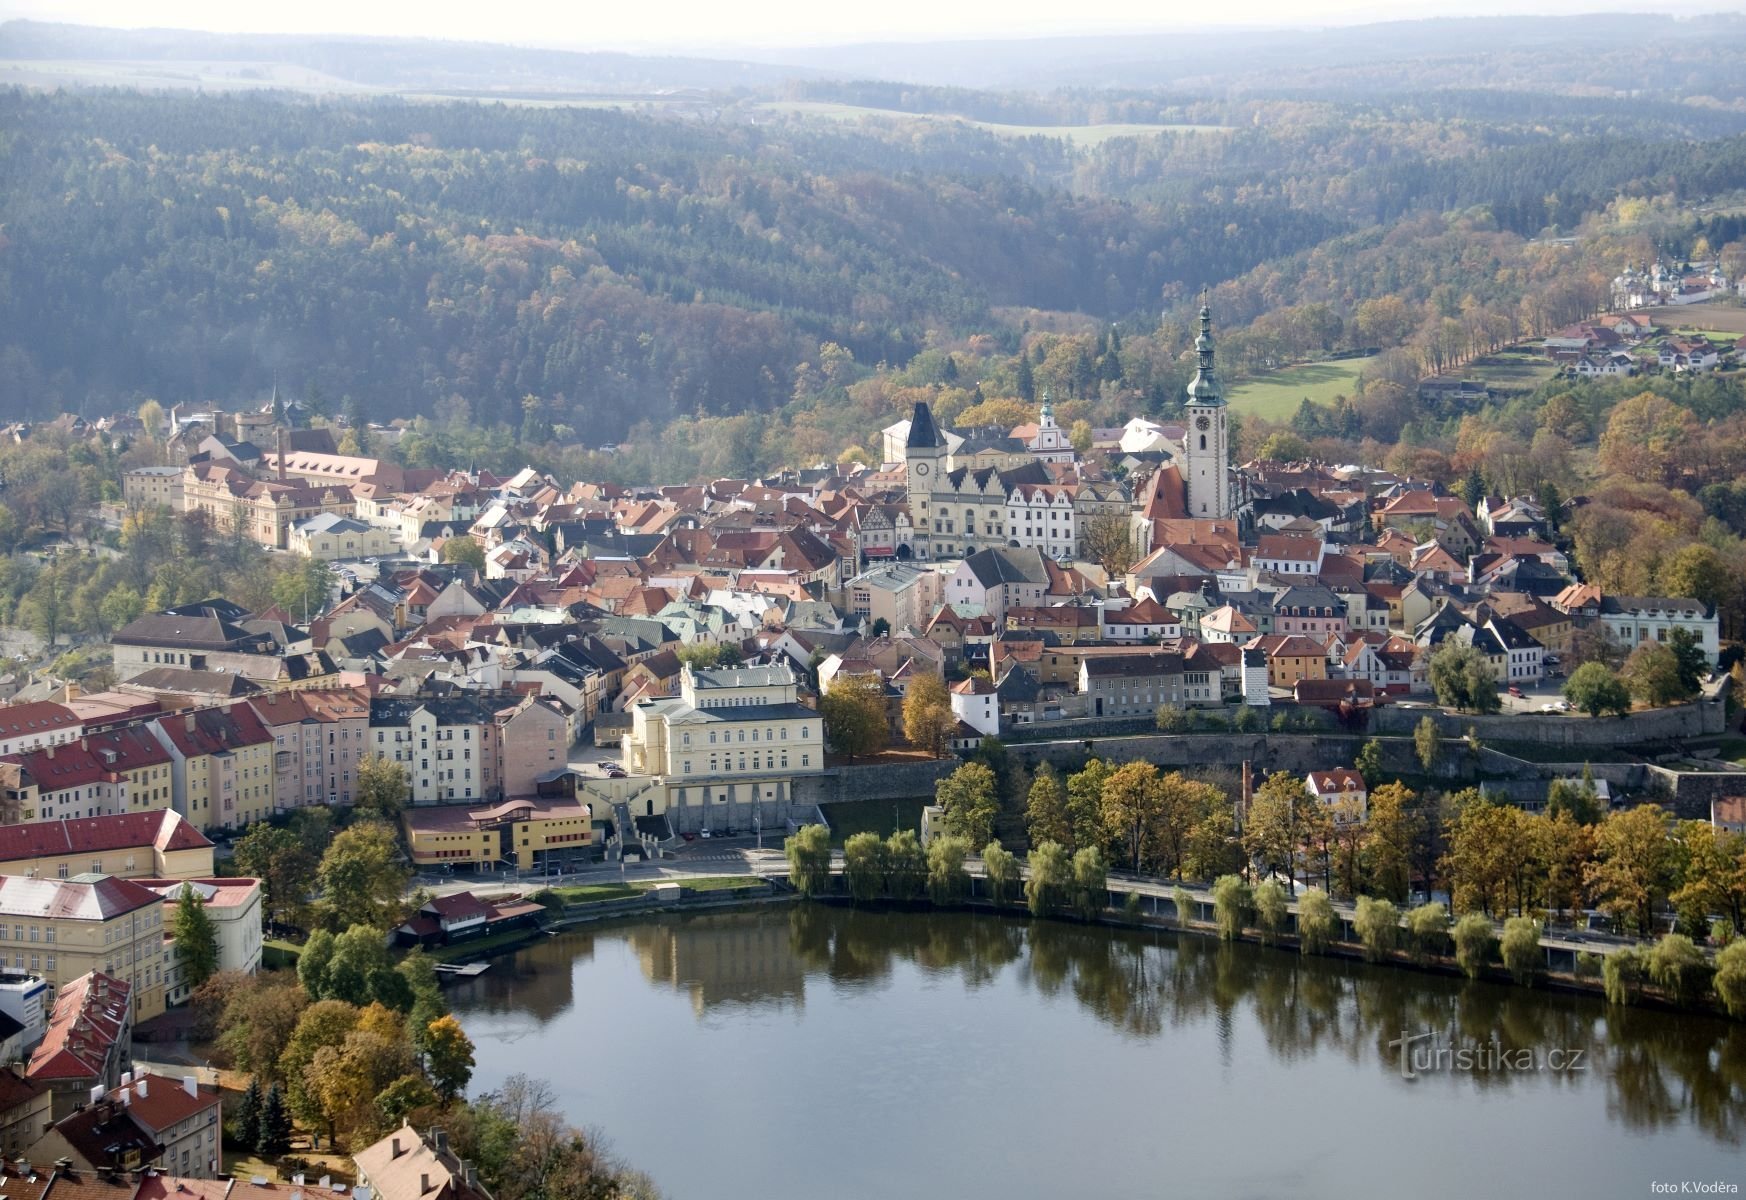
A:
(528, 832)
(334, 538)
(101, 774)
(223, 760)
(66, 928)
(157, 845)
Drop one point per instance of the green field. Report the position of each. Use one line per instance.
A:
(1081, 135)
(1521, 370)
(1276, 395)
(882, 817)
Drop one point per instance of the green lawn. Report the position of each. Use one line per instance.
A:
(277, 953)
(1276, 395)
(719, 883)
(593, 893)
(1732, 749)
(1519, 369)
(882, 817)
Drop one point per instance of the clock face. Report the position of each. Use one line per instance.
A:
(1203, 422)
(921, 468)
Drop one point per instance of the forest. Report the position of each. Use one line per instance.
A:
(607, 273)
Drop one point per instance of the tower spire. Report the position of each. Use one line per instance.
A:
(1204, 387)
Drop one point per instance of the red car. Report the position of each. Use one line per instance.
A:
(1515, 691)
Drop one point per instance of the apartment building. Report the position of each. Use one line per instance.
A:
(66, 928)
(223, 759)
(158, 844)
(89, 1041)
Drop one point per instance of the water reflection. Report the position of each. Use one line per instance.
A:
(1659, 1070)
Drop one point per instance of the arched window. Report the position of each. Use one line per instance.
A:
(1203, 441)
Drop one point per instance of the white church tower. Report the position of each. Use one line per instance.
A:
(1206, 445)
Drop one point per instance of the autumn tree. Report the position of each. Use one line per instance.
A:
(383, 787)
(1107, 540)
(1634, 867)
(448, 1057)
(928, 720)
(1046, 816)
(282, 862)
(1273, 830)
(1647, 437)
(1133, 809)
(464, 551)
(853, 708)
(970, 798)
(1596, 689)
(808, 851)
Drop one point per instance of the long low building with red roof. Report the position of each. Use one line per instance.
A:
(158, 844)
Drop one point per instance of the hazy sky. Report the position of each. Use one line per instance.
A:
(701, 24)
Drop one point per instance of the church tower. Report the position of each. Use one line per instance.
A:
(1206, 443)
(924, 457)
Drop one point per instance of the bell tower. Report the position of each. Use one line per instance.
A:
(924, 457)
(1206, 443)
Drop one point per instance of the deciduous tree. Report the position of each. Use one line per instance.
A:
(928, 720)
(808, 851)
(853, 708)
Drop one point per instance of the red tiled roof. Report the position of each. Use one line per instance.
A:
(22, 720)
(86, 835)
(88, 1017)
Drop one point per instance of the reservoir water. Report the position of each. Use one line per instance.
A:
(812, 1051)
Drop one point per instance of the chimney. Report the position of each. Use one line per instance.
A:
(84, 743)
(141, 1085)
(393, 1149)
(188, 722)
(424, 1184)
(282, 443)
(190, 1086)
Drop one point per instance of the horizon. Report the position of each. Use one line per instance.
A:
(713, 33)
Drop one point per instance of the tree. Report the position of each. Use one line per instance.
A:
(1183, 901)
(258, 1018)
(1622, 975)
(1002, 872)
(448, 1056)
(1596, 689)
(1050, 878)
(1730, 980)
(1271, 913)
(1132, 810)
(1653, 674)
(808, 851)
(362, 877)
(247, 1123)
(285, 867)
(360, 971)
(1688, 655)
(1081, 437)
(313, 963)
(853, 708)
(343, 1081)
(1678, 968)
(1085, 802)
(1275, 824)
(273, 1130)
(1232, 904)
(948, 881)
(1046, 808)
(302, 587)
(1635, 865)
(323, 1025)
(1427, 930)
(196, 937)
(1316, 922)
(906, 868)
(1428, 743)
(1647, 437)
(1369, 762)
(384, 786)
(1520, 950)
(971, 802)
(864, 865)
(1090, 882)
(121, 606)
(928, 720)
(1713, 878)
(465, 552)
(1388, 834)
(1107, 541)
(405, 1096)
(1172, 719)
(1463, 678)
(1473, 938)
(1377, 924)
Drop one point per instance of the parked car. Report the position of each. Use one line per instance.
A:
(704, 834)
(1515, 691)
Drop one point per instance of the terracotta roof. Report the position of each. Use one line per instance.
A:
(87, 835)
(23, 720)
(88, 1018)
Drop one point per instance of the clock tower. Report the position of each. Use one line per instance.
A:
(1205, 445)
(924, 456)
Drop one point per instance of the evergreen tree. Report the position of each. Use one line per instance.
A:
(273, 1129)
(196, 937)
(1026, 384)
(248, 1115)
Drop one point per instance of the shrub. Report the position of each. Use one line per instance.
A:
(1473, 940)
(1588, 964)
(1316, 922)
(1730, 978)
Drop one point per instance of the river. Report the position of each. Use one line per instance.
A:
(811, 1051)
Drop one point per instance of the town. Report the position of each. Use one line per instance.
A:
(466, 687)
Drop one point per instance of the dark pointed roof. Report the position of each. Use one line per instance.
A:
(1204, 387)
(923, 434)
